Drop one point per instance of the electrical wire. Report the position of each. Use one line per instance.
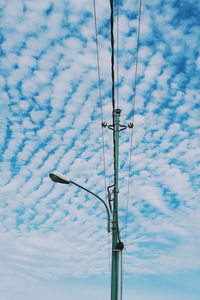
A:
(113, 77)
(131, 140)
(136, 60)
(112, 55)
(100, 98)
(117, 53)
(113, 94)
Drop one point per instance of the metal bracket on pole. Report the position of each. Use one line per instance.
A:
(123, 127)
(110, 199)
(119, 246)
(113, 224)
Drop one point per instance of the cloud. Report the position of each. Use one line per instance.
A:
(51, 119)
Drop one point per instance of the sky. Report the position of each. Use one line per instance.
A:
(54, 243)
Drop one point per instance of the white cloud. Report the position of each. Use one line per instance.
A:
(153, 195)
(51, 119)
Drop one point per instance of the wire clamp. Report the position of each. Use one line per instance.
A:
(104, 124)
(110, 199)
(123, 127)
(114, 225)
(130, 125)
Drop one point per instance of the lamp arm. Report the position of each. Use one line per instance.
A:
(104, 203)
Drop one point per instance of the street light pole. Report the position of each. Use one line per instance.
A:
(117, 244)
(57, 177)
(108, 213)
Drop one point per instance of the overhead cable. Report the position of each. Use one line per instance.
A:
(131, 140)
(136, 59)
(113, 93)
(100, 98)
(117, 53)
(112, 55)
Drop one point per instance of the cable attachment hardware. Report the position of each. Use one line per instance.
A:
(110, 198)
(119, 247)
(130, 125)
(116, 190)
(111, 127)
(104, 124)
(123, 127)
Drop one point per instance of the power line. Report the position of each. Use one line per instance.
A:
(117, 53)
(113, 94)
(136, 60)
(112, 55)
(99, 85)
(131, 140)
(112, 74)
(100, 98)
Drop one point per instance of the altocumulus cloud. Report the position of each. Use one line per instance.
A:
(50, 119)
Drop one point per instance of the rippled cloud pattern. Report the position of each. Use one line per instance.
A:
(51, 119)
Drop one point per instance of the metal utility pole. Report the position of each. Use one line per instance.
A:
(117, 245)
(113, 190)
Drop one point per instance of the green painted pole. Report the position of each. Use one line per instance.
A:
(115, 271)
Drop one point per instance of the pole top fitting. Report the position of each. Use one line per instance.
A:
(118, 111)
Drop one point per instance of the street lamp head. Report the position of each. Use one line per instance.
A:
(57, 177)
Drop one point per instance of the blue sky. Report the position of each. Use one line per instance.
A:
(53, 238)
